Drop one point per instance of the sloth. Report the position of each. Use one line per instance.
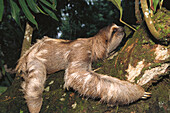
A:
(49, 55)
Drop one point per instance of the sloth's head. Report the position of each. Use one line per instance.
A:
(107, 40)
(115, 36)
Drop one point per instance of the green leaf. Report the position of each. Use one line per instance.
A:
(33, 6)
(48, 4)
(49, 12)
(117, 3)
(2, 89)
(155, 3)
(27, 12)
(54, 2)
(41, 11)
(15, 12)
(1, 9)
(151, 5)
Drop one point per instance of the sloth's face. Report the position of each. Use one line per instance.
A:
(116, 36)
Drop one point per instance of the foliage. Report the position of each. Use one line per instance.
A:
(34, 6)
(147, 15)
(20, 10)
(85, 18)
(117, 3)
(154, 4)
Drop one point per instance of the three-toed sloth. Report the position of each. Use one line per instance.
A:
(50, 55)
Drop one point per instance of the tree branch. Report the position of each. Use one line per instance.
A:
(137, 12)
(148, 19)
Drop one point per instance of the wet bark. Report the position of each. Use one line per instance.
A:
(137, 56)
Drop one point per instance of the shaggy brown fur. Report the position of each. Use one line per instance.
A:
(51, 55)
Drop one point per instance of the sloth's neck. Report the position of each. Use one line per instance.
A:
(99, 47)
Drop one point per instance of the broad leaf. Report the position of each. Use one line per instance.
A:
(15, 10)
(48, 4)
(1, 9)
(151, 5)
(27, 12)
(33, 6)
(49, 12)
(117, 3)
(155, 3)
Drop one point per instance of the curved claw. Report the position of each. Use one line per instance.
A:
(146, 95)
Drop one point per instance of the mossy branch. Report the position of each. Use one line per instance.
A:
(148, 19)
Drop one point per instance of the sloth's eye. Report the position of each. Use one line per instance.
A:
(114, 31)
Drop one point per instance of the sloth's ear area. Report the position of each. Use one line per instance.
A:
(113, 29)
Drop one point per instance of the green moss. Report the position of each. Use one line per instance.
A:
(161, 22)
(120, 72)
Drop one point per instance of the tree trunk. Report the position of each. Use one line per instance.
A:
(27, 38)
(140, 60)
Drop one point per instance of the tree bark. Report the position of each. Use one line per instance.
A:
(137, 12)
(27, 38)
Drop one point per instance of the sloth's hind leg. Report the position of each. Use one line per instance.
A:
(33, 85)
